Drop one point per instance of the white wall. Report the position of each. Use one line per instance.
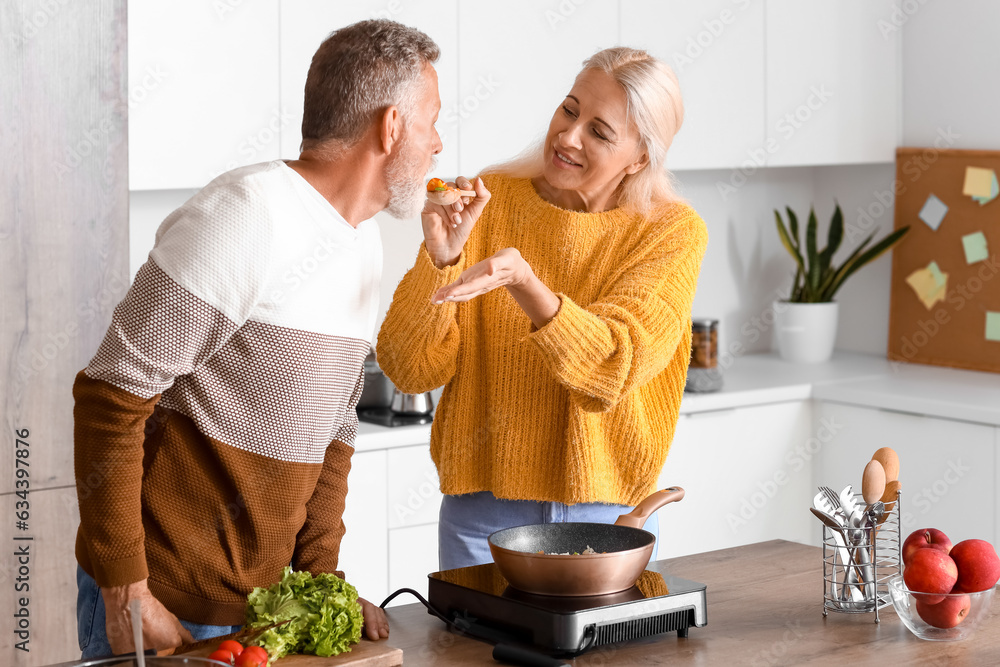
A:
(950, 58)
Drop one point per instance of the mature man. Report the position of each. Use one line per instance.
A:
(219, 408)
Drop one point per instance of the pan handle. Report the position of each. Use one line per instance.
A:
(637, 517)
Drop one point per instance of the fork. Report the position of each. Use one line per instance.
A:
(832, 496)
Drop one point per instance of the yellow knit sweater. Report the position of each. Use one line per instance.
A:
(583, 409)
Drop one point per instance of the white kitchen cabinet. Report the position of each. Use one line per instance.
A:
(517, 61)
(947, 468)
(413, 554)
(745, 475)
(364, 551)
(203, 90)
(832, 82)
(306, 23)
(414, 492)
(716, 49)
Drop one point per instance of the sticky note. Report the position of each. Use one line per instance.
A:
(940, 278)
(992, 326)
(975, 247)
(978, 182)
(933, 212)
(994, 191)
(929, 284)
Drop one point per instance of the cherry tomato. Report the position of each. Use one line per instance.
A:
(232, 645)
(222, 656)
(251, 658)
(257, 650)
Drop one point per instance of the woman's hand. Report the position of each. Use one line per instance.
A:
(447, 228)
(505, 269)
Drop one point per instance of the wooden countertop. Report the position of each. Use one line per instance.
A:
(765, 607)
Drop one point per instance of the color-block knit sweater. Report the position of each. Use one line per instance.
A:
(583, 409)
(246, 331)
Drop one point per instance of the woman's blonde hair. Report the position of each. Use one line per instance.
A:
(653, 103)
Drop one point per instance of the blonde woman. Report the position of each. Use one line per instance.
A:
(555, 309)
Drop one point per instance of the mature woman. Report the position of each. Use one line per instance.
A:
(562, 388)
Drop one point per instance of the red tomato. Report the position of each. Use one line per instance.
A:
(259, 650)
(232, 645)
(222, 656)
(250, 658)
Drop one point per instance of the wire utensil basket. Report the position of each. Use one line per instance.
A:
(858, 563)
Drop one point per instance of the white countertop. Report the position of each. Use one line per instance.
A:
(864, 380)
(857, 379)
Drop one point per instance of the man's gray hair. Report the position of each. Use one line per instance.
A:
(357, 73)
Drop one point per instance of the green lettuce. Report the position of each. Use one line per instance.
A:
(324, 611)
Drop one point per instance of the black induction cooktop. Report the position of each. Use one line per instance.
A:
(480, 602)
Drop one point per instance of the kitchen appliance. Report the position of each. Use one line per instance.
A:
(482, 603)
(405, 410)
(546, 558)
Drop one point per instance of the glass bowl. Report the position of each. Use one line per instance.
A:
(966, 614)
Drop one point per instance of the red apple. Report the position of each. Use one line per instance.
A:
(925, 538)
(945, 614)
(978, 565)
(931, 571)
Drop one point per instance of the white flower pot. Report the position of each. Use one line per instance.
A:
(805, 332)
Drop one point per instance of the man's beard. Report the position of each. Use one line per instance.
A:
(406, 184)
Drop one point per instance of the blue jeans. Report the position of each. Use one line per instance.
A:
(90, 620)
(467, 520)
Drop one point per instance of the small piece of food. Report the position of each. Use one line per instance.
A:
(439, 192)
(222, 656)
(232, 646)
(323, 612)
(586, 551)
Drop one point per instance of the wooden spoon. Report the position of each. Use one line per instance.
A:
(889, 497)
(889, 460)
(873, 482)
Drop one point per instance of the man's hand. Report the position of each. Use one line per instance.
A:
(160, 628)
(376, 624)
(447, 228)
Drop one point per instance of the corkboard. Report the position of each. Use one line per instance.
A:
(953, 331)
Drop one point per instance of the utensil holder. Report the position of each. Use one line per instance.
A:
(884, 551)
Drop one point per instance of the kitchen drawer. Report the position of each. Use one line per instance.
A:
(413, 554)
(414, 493)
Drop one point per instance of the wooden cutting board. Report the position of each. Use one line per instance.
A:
(365, 653)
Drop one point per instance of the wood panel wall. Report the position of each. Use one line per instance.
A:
(63, 268)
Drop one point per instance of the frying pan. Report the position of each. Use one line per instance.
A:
(623, 550)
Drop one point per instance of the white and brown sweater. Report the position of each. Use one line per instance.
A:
(214, 427)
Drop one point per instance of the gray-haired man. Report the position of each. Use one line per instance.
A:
(220, 404)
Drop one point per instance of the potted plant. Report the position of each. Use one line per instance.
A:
(806, 323)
